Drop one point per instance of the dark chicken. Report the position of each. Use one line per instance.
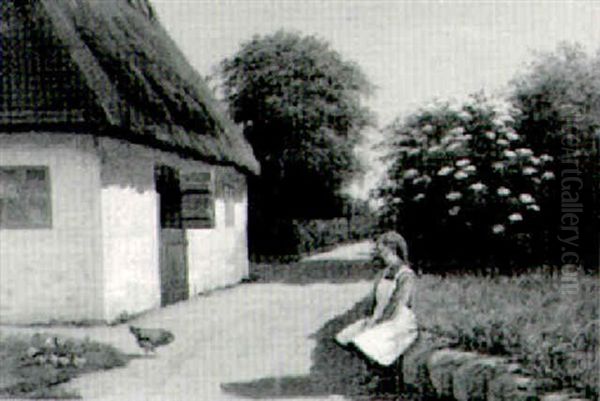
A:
(149, 339)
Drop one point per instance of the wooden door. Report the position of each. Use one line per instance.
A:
(173, 245)
(173, 266)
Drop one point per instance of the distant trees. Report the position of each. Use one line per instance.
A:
(487, 181)
(299, 104)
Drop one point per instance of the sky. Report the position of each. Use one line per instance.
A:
(412, 51)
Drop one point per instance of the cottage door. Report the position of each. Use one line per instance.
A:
(173, 245)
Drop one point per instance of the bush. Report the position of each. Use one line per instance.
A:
(285, 240)
(463, 187)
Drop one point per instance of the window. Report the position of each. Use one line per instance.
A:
(197, 200)
(25, 197)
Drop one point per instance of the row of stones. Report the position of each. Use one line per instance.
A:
(445, 373)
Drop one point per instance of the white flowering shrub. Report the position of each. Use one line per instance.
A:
(461, 184)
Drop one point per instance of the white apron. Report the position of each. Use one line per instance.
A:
(385, 341)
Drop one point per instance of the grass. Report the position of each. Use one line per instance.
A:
(531, 318)
(35, 366)
(548, 326)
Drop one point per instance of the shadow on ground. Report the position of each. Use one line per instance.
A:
(323, 271)
(335, 370)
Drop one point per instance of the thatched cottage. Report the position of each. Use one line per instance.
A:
(122, 186)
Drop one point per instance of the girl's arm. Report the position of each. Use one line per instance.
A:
(402, 295)
(373, 296)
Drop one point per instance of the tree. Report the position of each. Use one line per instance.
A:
(300, 106)
(558, 96)
(462, 185)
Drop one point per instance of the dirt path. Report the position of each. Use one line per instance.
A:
(357, 251)
(240, 334)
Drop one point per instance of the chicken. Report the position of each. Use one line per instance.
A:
(149, 339)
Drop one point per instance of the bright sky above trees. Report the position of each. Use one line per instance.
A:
(412, 51)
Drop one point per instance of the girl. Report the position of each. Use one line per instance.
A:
(391, 327)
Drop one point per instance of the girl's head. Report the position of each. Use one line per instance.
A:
(391, 246)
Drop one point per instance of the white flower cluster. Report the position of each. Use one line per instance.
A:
(526, 199)
(548, 175)
(411, 173)
(498, 229)
(424, 179)
(515, 217)
(512, 136)
(498, 166)
(456, 131)
(413, 151)
(460, 175)
(503, 191)
(478, 187)
(453, 211)
(446, 170)
(434, 149)
(427, 129)
(524, 152)
(491, 135)
(453, 196)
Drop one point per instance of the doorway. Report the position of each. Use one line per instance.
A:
(173, 267)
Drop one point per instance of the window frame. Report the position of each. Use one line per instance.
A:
(47, 220)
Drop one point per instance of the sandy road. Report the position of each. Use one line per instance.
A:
(240, 334)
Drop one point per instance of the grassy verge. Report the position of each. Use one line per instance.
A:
(34, 366)
(532, 318)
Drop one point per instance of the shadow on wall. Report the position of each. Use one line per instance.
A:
(335, 370)
(325, 271)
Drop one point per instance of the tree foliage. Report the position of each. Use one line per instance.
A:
(558, 96)
(462, 185)
(300, 105)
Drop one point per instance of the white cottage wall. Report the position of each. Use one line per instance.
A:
(219, 257)
(129, 229)
(54, 273)
(216, 257)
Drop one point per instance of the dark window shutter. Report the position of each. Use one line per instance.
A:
(197, 200)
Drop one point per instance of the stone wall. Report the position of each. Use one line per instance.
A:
(437, 372)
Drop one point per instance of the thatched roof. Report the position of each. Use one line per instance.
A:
(110, 67)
